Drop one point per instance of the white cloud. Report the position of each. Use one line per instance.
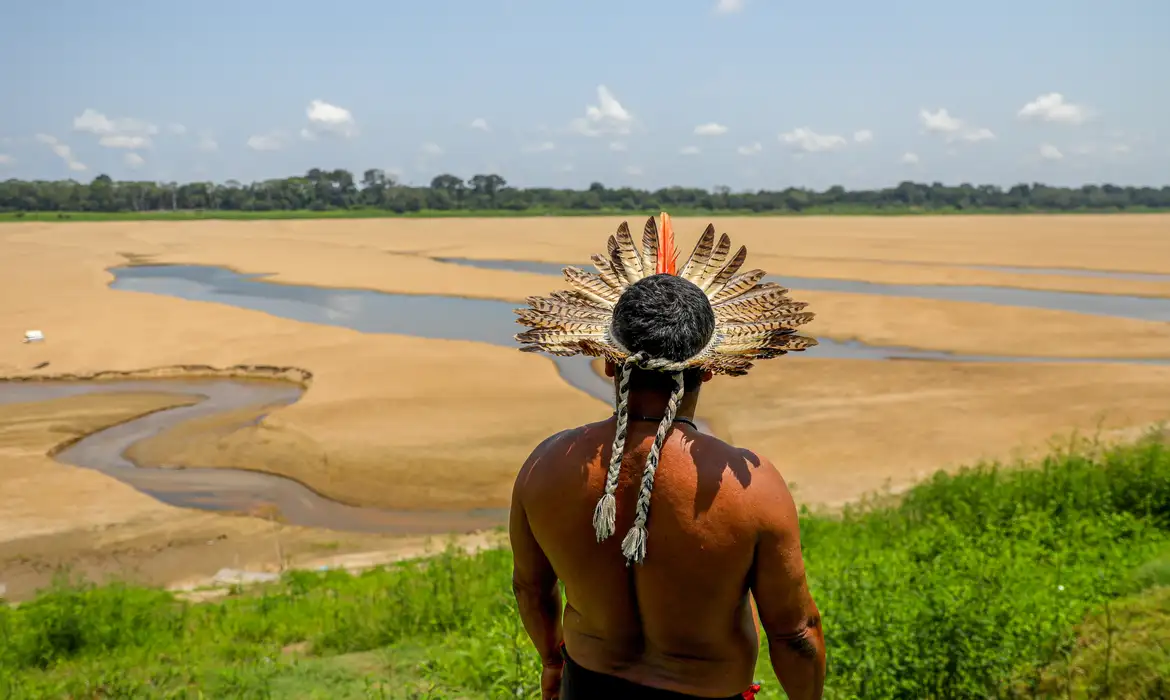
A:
(266, 142)
(63, 151)
(633, 170)
(1050, 152)
(863, 136)
(124, 141)
(809, 141)
(120, 132)
(432, 149)
(617, 146)
(177, 129)
(308, 134)
(1119, 148)
(542, 147)
(331, 118)
(711, 129)
(727, 7)
(207, 143)
(6, 159)
(1051, 107)
(133, 160)
(689, 150)
(909, 158)
(480, 124)
(608, 116)
(940, 121)
(750, 150)
(953, 128)
(977, 135)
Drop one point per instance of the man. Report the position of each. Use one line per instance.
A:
(679, 622)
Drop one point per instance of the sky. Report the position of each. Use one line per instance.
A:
(748, 94)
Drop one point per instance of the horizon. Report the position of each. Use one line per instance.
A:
(745, 94)
(360, 185)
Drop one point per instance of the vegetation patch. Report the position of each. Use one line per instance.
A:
(338, 193)
(1032, 580)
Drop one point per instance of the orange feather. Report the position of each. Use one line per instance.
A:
(667, 254)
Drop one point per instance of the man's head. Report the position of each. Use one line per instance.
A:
(668, 318)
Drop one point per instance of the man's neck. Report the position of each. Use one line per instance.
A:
(653, 404)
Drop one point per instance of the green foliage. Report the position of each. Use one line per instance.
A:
(1123, 651)
(326, 193)
(991, 582)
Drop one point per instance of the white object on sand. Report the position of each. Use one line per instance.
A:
(230, 576)
(33, 336)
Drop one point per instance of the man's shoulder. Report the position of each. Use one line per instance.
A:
(756, 473)
(720, 450)
(554, 444)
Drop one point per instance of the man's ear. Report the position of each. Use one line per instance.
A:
(610, 369)
(708, 375)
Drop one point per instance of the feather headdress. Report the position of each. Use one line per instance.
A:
(754, 320)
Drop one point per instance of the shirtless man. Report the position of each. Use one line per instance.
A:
(678, 623)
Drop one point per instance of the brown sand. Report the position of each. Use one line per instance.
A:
(404, 422)
(57, 517)
(837, 433)
(390, 255)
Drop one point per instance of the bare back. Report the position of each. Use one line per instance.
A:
(682, 620)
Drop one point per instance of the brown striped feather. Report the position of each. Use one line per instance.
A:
(606, 271)
(761, 305)
(700, 255)
(628, 252)
(714, 264)
(786, 323)
(761, 289)
(751, 316)
(590, 285)
(615, 260)
(547, 336)
(650, 245)
(577, 311)
(720, 278)
(563, 323)
(737, 285)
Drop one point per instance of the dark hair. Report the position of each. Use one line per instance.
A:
(667, 317)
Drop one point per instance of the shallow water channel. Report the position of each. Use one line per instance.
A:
(425, 316)
(1120, 306)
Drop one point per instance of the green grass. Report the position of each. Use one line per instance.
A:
(194, 215)
(988, 583)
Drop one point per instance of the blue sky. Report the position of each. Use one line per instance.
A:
(744, 93)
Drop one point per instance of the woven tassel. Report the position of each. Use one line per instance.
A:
(634, 545)
(605, 516)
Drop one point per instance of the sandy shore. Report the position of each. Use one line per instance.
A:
(57, 518)
(409, 423)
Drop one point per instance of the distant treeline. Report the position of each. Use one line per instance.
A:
(333, 190)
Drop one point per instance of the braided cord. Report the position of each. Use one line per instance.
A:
(634, 544)
(605, 514)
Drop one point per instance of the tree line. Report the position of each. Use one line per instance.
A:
(325, 190)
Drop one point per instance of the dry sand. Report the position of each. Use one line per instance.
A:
(836, 434)
(411, 423)
(55, 517)
(393, 256)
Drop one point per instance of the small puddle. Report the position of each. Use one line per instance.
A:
(1116, 305)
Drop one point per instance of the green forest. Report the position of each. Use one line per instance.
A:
(378, 193)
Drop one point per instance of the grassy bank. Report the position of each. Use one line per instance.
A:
(276, 214)
(995, 582)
